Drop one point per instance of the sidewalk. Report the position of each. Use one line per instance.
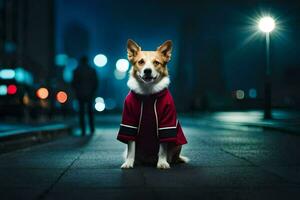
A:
(224, 164)
(286, 121)
(15, 135)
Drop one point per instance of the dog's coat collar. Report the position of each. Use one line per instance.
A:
(141, 89)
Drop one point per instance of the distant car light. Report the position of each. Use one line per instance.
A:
(42, 93)
(61, 97)
(12, 89)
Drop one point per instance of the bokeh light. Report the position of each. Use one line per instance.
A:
(26, 99)
(122, 65)
(42, 93)
(99, 99)
(3, 90)
(240, 94)
(23, 76)
(100, 106)
(252, 93)
(7, 74)
(100, 60)
(119, 75)
(61, 59)
(11, 89)
(61, 97)
(72, 63)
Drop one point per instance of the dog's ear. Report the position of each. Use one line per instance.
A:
(132, 49)
(166, 49)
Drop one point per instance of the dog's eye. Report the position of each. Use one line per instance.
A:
(156, 63)
(141, 62)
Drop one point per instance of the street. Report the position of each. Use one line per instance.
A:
(239, 163)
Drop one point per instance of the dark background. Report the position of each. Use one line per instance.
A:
(218, 48)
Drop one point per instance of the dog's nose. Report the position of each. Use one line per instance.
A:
(147, 71)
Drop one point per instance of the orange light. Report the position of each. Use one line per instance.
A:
(26, 99)
(11, 89)
(61, 97)
(42, 93)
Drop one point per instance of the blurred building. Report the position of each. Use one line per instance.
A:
(26, 56)
(27, 36)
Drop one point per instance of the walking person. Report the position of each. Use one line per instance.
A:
(85, 84)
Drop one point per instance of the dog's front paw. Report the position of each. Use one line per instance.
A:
(163, 164)
(128, 164)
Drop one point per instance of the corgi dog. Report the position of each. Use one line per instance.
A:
(149, 123)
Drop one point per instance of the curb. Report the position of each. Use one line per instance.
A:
(13, 140)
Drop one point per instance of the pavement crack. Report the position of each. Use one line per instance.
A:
(49, 189)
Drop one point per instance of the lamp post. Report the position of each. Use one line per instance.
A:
(267, 25)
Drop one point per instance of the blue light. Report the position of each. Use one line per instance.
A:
(7, 74)
(68, 74)
(68, 70)
(61, 59)
(100, 60)
(122, 65)
(119, 75)
(20, 75)
(3, 90)
(23, 76)
(252, 93)
(72, 63)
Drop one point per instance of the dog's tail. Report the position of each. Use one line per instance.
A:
(183, 159)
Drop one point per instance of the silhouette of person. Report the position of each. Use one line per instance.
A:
(85, 84)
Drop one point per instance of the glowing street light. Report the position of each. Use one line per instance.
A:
(267, 25)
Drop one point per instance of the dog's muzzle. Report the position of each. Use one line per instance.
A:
(148, 79)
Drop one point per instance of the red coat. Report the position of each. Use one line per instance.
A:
(150, 120)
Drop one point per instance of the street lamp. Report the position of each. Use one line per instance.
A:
(267, 25)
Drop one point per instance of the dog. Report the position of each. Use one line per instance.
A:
(149, 123)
